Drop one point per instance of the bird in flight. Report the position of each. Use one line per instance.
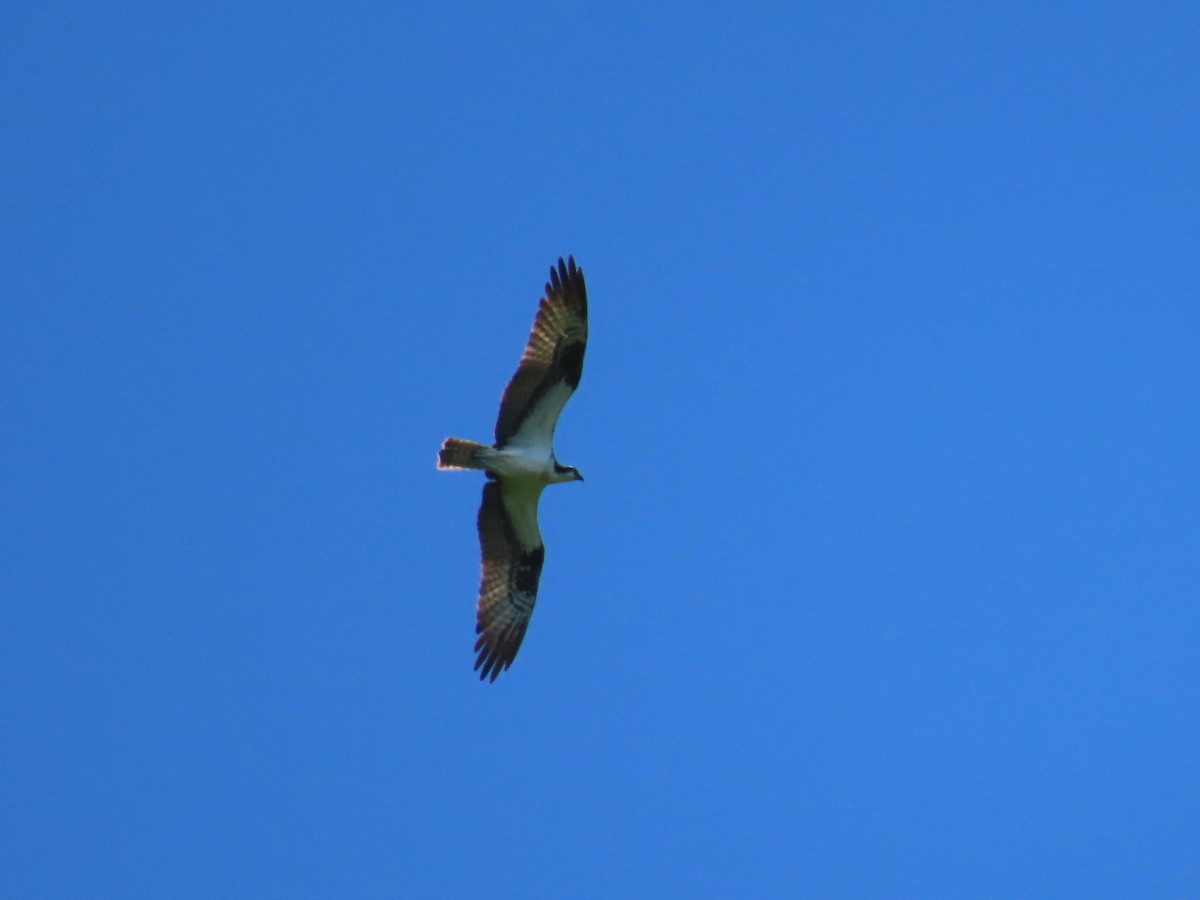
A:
(520, 465)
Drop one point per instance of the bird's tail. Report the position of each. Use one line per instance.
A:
(459, 454)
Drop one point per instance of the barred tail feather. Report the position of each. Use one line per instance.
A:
(459, 454)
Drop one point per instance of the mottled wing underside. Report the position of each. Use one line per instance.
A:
(508, 587)
(552, 364)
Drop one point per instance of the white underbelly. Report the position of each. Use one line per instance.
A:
(518, 462)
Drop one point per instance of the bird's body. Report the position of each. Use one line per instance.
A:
(520, 465)
(535, 464)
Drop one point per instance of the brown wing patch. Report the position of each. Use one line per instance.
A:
(555, 348)
(507, 589)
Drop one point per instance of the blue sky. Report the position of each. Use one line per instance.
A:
(885, 577)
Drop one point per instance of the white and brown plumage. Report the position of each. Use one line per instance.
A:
(520, 465)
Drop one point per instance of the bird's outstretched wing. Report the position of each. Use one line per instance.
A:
(552, 365)
(512, 564)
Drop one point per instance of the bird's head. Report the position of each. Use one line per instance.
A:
(566, 473)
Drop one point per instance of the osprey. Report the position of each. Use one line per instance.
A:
(520, 465)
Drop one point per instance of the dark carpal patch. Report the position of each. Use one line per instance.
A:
(527, 569)
(572, 364)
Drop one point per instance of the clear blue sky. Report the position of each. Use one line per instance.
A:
(885, 578)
